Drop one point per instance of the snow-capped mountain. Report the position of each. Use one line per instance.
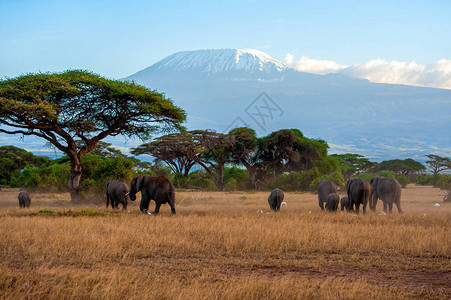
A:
(219, 60)
(220, 89)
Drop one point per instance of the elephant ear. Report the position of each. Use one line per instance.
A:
(373, 182)
(139, 181)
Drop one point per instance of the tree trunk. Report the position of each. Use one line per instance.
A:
(74, 184)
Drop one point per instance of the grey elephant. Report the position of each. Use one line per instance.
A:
(157, 188)
(332, 202)
(24, 199)
(389, 190)
(344, 203)
(359, 192)
(275, 199)
(325, 187)
(116, 192)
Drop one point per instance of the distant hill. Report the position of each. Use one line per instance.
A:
(220, 90)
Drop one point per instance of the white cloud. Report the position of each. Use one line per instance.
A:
(310, 65)
(437, 74)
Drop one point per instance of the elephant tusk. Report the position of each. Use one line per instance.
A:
(127, 193)
(149, 213)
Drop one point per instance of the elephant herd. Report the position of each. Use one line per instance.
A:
(360, 192)
(162, 191)
(157, 188)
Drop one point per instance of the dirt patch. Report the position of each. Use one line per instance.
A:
(416, 280)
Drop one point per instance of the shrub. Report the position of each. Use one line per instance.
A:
(335, 177)
(294, 181)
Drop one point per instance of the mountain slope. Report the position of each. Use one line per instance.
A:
(217, 61)
(219, 90)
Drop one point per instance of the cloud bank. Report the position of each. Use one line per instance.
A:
(436, 75)
(310, 65)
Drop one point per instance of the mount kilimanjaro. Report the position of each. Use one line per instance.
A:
(226, 88)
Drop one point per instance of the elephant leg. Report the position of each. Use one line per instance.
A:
(364, 208)
(172, 207)
(390, 206)
(321, 204)
(157, 208)
(144, 204)
(124, 205)
(357, 208)
(385, 206)
(374, 203)
(398, 205)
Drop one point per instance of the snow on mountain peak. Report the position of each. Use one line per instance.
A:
(220, 60)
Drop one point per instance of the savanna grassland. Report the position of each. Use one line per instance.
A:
(220, 246)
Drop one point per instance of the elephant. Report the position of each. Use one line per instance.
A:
(332, 202)
(157, 188)
(275, 199)
(344, 203)
(325, 187)
(116, 192)
(24, 199)
(389, 190)
(359, 192)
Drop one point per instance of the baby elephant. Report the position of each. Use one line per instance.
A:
(344, 203)
(275, 199)
(332, 202)
(24, 199)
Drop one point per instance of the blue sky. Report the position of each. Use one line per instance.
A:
(118, 38)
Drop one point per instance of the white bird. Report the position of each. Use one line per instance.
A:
(437, 205)
(284, 203)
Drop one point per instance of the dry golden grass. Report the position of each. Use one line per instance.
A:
(219, 247)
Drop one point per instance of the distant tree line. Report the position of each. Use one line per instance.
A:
(238, 160)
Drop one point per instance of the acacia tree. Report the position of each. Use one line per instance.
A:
(245, 151)
(215, 153)
(288, 150)
(436, 163)
(351, 163)
(177, 150)
(401, 166)
(79, 105)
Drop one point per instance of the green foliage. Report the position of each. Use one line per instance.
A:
(365, 176)
(294, 181)
(13, 160)
(335, 177)
(197, 180)
(98, 170)
(50, 178)
(236, 179)
(403, 180)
